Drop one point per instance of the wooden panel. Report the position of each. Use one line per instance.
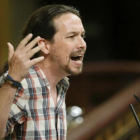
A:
(4, 30)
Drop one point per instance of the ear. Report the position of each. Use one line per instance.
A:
(46, 48)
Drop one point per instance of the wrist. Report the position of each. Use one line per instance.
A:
(15, 77)
(7, 85)
(12, 82)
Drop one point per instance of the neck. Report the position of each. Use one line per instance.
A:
(52, 72)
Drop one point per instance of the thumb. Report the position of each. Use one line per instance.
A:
(10, 51)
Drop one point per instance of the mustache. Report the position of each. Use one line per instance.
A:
(79, 52)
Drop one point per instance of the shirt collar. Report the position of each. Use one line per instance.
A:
(64, 81)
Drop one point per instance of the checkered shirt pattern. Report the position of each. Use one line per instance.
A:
(33, 115)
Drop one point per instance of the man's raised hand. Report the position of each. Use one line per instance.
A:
(19, 61)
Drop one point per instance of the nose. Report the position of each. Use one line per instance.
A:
(81, 44)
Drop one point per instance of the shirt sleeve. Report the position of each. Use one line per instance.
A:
(2, 78)
(18, 113)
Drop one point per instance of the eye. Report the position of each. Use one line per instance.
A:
(83, 36)
(72, 36)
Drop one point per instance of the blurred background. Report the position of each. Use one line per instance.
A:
(98, 99)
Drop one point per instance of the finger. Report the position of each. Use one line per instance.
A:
(36, 60)
(32, 43)
(10, 51)
(24, 42)
(35, 50)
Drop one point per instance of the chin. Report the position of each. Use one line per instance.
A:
(74, 72)
(70, 70)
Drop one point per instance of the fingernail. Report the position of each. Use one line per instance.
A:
(42, 57)
(30, 34)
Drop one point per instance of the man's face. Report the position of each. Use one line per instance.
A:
(69, 47)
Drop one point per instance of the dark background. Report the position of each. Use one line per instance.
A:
(112, 27)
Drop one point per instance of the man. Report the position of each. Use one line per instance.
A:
(37, 105)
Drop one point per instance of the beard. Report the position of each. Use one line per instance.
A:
(66, 67)
(70, 71)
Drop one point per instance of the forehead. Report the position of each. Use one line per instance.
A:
(68, 22)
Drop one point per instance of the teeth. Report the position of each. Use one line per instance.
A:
(78, 56)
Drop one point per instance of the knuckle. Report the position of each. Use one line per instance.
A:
(22, 63)
(21, 43)
(31, 52)
(16, 55)
(34, 61)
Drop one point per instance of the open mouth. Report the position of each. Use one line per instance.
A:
(77, 58)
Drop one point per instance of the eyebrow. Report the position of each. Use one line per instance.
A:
(75, 32)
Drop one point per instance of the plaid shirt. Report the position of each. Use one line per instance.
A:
(33, 115)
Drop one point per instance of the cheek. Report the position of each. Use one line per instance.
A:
(63, 56)
(67, 57)
(64, 50)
